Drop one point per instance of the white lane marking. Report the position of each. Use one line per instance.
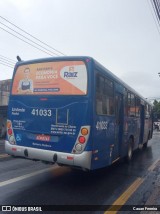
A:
(13, 180)
(153, 166)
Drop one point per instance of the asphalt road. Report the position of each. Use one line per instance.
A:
(24, 182)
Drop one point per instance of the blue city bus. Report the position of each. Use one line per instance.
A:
(74, 112)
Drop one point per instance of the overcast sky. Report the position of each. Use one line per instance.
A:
(121, 34)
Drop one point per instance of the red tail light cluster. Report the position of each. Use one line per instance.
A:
(82, 139)
(84, 132)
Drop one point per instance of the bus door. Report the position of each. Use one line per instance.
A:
(119, 121)
(142, 120)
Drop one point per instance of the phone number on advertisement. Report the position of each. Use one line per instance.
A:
(41, 112)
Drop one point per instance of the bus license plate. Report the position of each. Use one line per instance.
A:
(43, 137)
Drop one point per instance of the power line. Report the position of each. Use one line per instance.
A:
(32, 36)
(156, 10)
(156, 22)
(6, 61)
(25, 41)
(4, 57)
(5, 64)
(29, 39)
(156, 6)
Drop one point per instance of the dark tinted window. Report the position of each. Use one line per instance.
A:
(104, 96)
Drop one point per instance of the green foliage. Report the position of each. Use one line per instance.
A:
(156, 109)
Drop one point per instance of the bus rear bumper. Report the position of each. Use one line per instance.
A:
(82, 160)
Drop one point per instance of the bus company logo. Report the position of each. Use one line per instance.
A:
(70, 73)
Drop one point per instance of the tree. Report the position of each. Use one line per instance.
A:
(156, 109)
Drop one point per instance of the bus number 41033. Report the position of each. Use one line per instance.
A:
(41, 112)
(101, 125)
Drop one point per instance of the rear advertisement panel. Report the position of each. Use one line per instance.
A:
(55, 78)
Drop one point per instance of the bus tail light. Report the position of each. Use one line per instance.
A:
(84, 131)
(78, 147)
(82, 140)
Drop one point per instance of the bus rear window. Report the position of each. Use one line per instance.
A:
(51, 78)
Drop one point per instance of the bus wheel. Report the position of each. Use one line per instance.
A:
(146, 143)
(140, 146)
(130, 150)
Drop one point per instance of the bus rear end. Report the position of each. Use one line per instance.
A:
(49, 114)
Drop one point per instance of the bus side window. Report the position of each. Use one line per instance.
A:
(98, 104)
(99, 94)
(125, 103)
(131, 105)
(147, 113)
(137, 107)
(104, 96)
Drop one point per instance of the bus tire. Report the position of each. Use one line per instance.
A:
(129, 151)
(140, 146)
(146, 143)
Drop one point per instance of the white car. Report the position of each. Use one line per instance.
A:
(157, 125)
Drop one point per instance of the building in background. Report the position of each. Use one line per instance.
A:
(4, 97)
(4, 92)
